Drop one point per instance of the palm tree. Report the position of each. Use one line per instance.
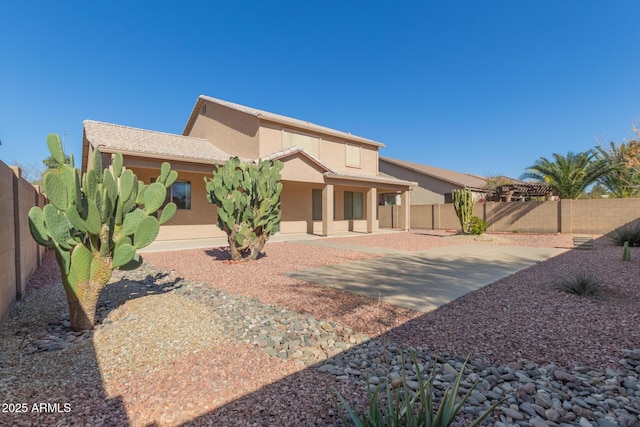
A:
(624, 178)
(569, 175)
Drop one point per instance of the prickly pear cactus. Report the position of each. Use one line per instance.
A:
(463, 204)
(96, 223)
(248, 201)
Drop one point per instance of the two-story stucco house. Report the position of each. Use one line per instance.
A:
(330, 178)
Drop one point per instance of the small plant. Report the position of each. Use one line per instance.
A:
(478, 226)
(582, 284)
(248, 200)
(626, 252)
(627, 233)
(403, 408)
(463, 204)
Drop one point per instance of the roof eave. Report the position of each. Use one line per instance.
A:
(378, 180)
(109, 150)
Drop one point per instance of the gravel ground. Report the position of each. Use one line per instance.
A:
(147, 363)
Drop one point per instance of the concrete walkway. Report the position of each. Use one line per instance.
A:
(426, 280)
(218, 242)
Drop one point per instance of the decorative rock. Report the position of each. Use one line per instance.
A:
(552, 415)
(513, 414)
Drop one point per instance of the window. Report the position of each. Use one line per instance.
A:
(309, 144)
(316, 205)
(353, 205)
(181, 194)
(353, 155)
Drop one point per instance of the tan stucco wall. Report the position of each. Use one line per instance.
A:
(188, 232)
(301, 169)
(296, 207)
(201, 212)
(332, 150)
(430, 190)
(230, 130)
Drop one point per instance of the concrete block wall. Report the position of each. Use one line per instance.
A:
(7, 240)
(537, 217)
(19, 253)
(597, 216)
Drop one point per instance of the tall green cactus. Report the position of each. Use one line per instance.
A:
(95, 224)
(463, 204)
(248, 200)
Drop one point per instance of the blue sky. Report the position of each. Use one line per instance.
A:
(484, 87)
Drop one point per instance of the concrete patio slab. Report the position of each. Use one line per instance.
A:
(426, 280)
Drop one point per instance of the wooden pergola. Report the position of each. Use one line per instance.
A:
(520, 192)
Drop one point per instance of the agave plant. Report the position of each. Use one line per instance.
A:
(403, 410)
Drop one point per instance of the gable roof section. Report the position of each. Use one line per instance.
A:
(277, 118)
(278, 155)
(462, 179)
(332, 173)
(147, 143)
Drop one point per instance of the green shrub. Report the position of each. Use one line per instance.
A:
(582, 284)
(627, 233)
(403, 408)
(478, 226)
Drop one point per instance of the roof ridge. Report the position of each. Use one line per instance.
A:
(143, 130)
(291, 121)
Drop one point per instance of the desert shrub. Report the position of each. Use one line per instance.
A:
(406, 408)
(627, 233)
(582, 284)
(478, 226)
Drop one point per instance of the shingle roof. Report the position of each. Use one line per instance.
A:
(265, 115)
(457, 178)
(118, 138)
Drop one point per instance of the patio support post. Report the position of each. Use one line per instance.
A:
(372, 205)
(327, 210)
(405, 218)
